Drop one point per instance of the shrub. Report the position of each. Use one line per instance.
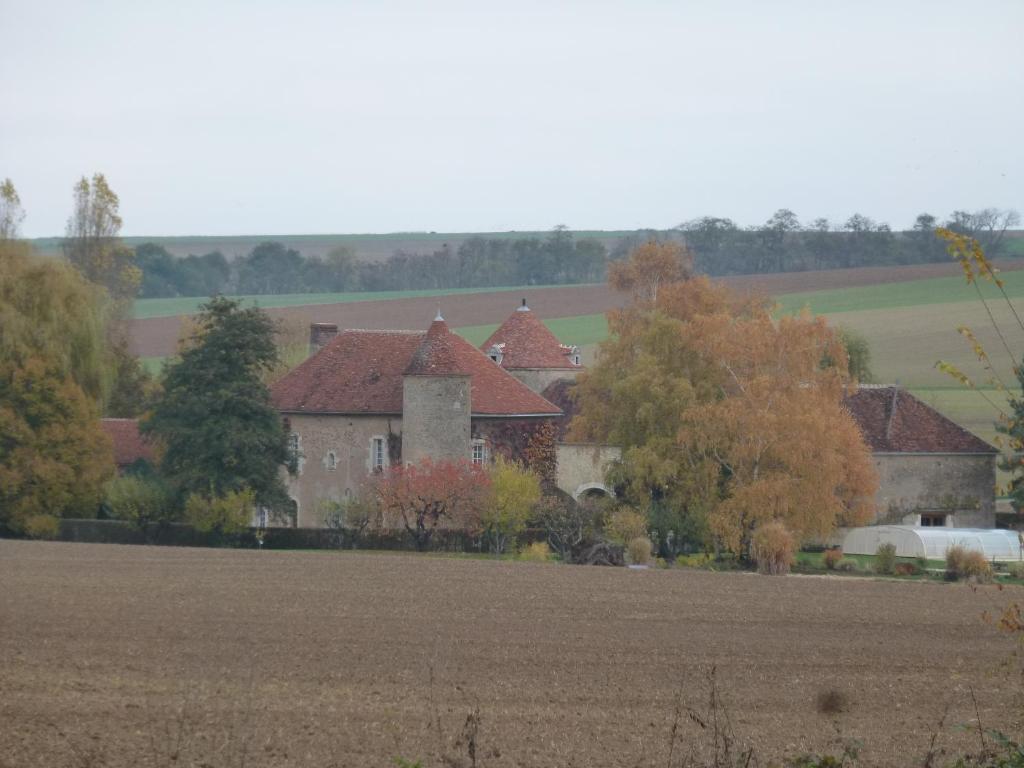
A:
(138, 500)
(515, 491)
(831, 558)
(847, 566)
(955, 556)
(565, 523)
(885, 559)
(964, 563)
(42, 527)
(907, 569)
(639, 550)
(1016, 570)
(538, 552)
(832, 702)
(230, 513)
(772, 548)
(625, 525)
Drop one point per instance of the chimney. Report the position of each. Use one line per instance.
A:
(319, 336)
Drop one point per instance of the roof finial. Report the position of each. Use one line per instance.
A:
(439, 313)
(523, 307)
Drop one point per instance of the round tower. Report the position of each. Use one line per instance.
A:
(436, 404)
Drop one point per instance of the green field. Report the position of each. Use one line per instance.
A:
(188, 305)
(913, 293)
(582, 330)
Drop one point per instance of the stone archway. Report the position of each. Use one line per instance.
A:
(592, 490)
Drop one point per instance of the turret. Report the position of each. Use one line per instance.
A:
(436, 404)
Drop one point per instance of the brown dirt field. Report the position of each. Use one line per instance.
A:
(119, 656)
(157, 337)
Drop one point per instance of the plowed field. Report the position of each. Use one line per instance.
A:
(139, 656)
(156, 337)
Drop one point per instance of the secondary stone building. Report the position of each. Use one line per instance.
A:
(365, 400)
(931, 471)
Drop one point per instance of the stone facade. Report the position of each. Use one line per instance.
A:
(437, 417)
(956, 487)
(582, 467)
(539, 379)
(320, 477)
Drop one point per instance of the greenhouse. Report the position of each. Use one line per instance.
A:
(932, 543)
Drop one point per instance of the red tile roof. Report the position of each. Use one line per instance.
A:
(894, 421)
(362, 371)
(129, 444)
(437, 354)
(525, 342)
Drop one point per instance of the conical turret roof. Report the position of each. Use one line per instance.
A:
(525, 342)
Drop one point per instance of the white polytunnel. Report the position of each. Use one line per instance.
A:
(932, 543)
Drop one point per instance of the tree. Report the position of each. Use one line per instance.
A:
(728, 414)
(134, 389)
(858, 354)
(649, 266)
(565, 523)
(515, 491)
(54, 458)
(967, 251)
(783, 446)
(11, 212)
(215, 420)
(92, 242)
(427, 495)
(987, 227)
(49, 313)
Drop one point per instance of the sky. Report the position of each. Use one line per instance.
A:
(314, 117)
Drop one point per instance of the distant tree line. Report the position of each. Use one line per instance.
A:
(784, 244)
(479, 262)
(719, 247)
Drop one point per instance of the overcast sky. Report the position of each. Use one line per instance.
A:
(325, 117)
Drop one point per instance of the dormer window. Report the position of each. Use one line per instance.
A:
(495, 353)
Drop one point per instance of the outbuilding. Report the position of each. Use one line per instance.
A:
(933, 543)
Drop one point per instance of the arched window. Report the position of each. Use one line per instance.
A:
(332, 461)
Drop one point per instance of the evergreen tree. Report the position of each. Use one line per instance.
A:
(215, 422)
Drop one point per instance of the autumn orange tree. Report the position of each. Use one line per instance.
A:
(727, 418)
(428, 495)
(648, 267)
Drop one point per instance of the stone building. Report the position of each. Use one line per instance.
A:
(365, 400)
(931, 471)
(527, 349)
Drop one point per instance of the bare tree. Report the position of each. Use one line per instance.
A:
(11, 212)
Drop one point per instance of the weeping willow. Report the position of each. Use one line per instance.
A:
(49, 312)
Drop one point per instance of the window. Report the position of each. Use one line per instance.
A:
(331, 461)
(294, 453)
(378, 457)
(933, 520)
(479, 452)
(575, 359)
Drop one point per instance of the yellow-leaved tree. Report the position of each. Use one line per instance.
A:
(54, 458)
(727, 417)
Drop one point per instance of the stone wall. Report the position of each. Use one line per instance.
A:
(582, 466)
(437, 418)
(349, 438)
(538, 379)
(960, 484)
